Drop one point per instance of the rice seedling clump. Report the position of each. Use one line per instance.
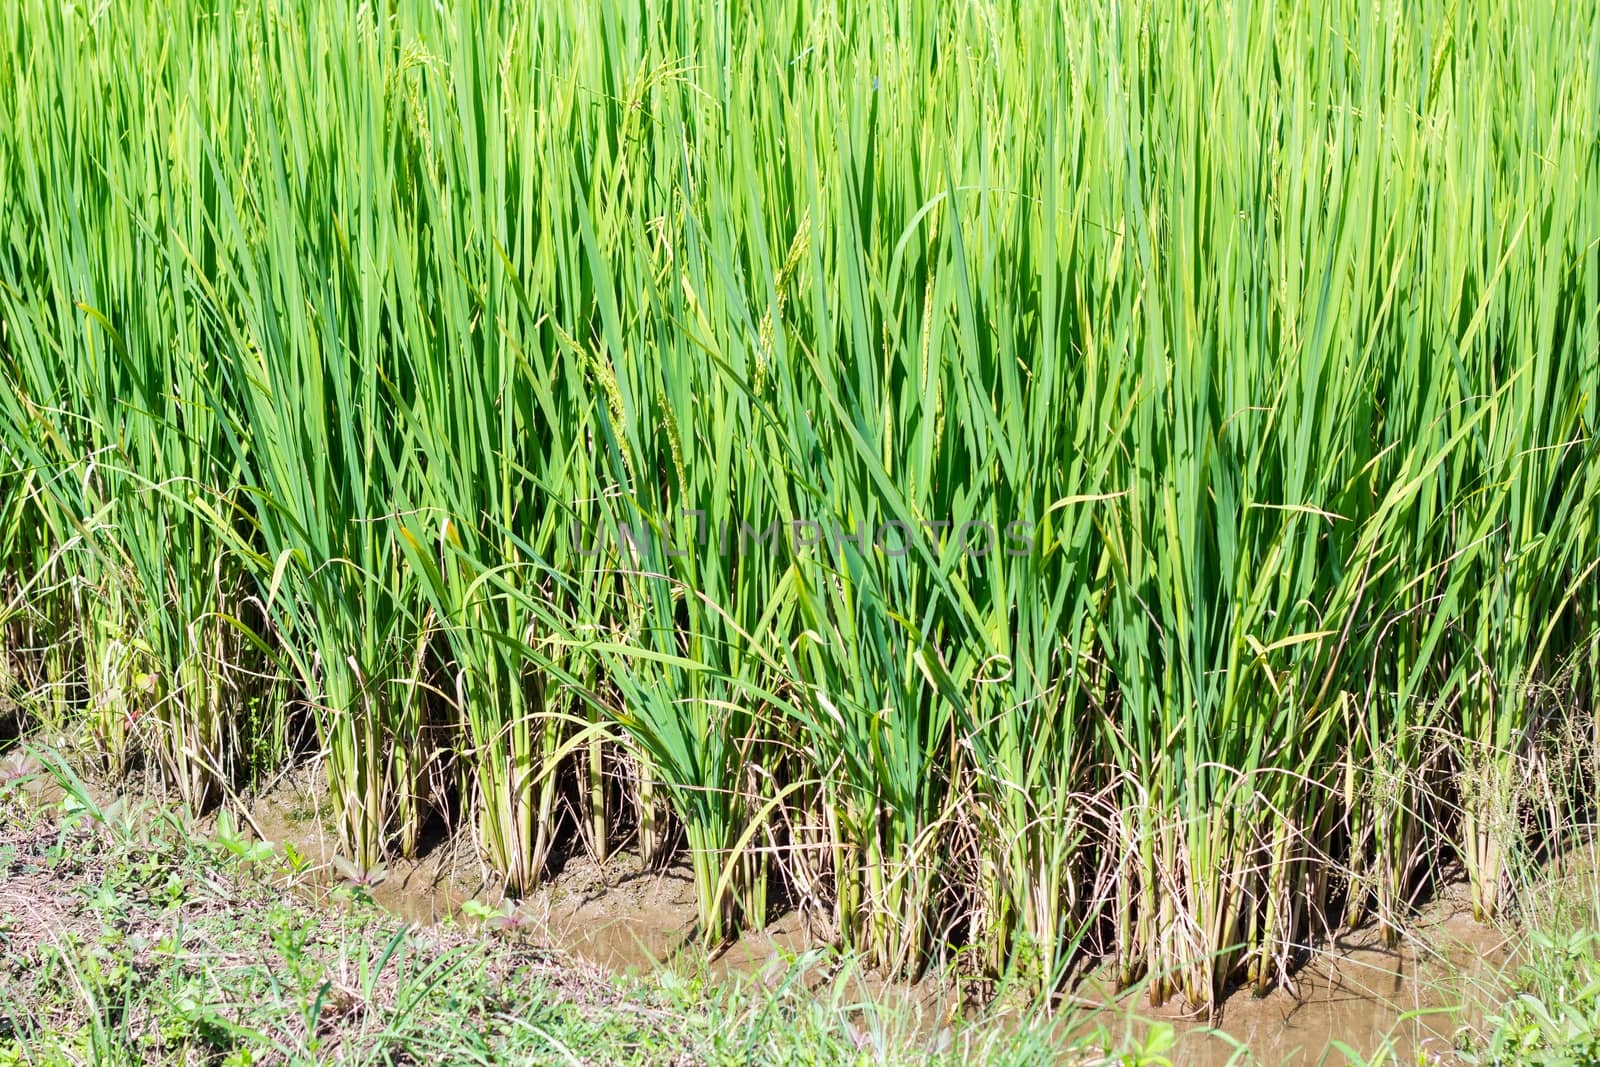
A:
(1030, 484)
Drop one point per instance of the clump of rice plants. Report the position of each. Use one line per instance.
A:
(1100, 483)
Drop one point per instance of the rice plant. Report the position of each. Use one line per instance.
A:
(1112, 483)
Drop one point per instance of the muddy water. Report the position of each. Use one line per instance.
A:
(1410, 1000)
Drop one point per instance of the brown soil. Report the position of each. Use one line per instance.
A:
(622, 918)
(1411, 999)
(618, 916)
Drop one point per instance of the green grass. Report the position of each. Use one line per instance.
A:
(132, 935)
(1553, 1017)
(323, 328)
(1545, 1011)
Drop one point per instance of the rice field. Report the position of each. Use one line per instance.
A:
(1018, 485)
